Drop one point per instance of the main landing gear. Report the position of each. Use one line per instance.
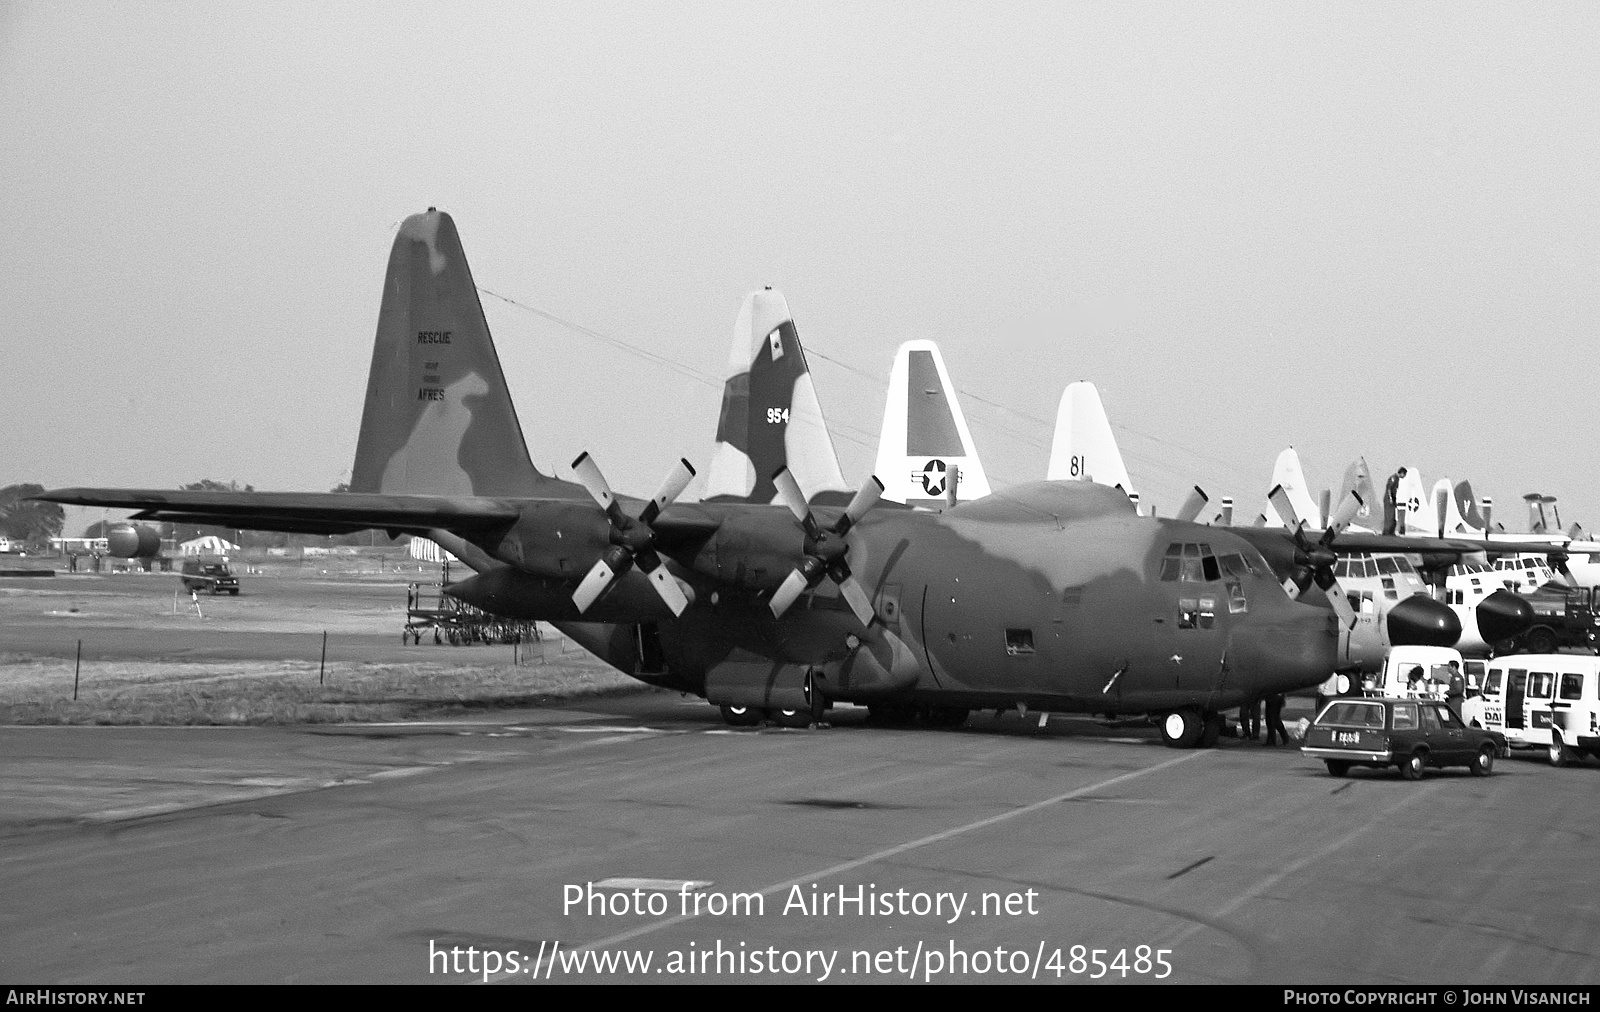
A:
(1190, 728)
(755, 716)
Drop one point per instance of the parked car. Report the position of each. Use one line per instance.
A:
(211, 575)
(1411, 734)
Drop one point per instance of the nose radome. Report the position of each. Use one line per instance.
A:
(1503, 615)
(1421, 621)
(1286, 654)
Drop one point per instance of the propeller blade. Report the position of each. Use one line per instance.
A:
(597, 580)
(850, 588)
(589, 476)
(1348, 508)
(866, 497)
(1280, 502)
(667, 587)
(1193, 505)
(788, 592)
(790, 495)
(1341, 604)
(670, 489)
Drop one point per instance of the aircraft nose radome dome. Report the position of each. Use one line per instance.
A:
(1422, 621)
(1284, 656)
(1503, 615)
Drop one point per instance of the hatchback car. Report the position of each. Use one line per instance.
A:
(1412, 734)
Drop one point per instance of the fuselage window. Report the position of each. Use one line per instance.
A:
(1208, 612)
(1188, 608)
(1236, 598)
(1019, 642)
(1388, 589)
(1172, 562)
(1192, 569)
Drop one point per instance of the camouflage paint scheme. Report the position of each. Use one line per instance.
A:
(441, 455)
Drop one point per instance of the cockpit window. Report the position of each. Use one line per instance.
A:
(1171, 562)
(1386, 566)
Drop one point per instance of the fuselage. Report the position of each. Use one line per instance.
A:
(1055, 595)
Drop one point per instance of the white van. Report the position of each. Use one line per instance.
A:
(1416, 672)
(1548, 700)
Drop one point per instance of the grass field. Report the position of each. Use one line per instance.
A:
(39, 690)
(137, 634)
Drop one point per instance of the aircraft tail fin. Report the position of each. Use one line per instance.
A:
(1455, 521)
(438, 418)
(1420, 516)
(924, 433)
(1467, 506)
(1084, 448)
(771, 417)
(1287, 474)
(1538, 516)
(1358, 479)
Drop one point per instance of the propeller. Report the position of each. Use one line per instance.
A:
(632, 540)
(1193, 505)
(1314, 560)
(825, 547)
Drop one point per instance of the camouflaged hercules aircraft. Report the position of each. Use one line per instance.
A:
(1055, 596)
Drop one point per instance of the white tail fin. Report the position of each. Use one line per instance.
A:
(1084, 448)
(924, 433)
(1287, 473)
(1358, 479)
(770, 414)
(1413, 495)
(1455, 524)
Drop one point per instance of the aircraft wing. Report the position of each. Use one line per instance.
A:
(1406, 544)
(299, 512)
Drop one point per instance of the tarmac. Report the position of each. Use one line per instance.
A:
(359, 853)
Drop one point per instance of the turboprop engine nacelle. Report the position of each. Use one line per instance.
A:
(133, 541)
(1418, 620)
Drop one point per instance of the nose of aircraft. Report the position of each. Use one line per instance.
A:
(1503, 615)
(1421, 621)
(1290, 652)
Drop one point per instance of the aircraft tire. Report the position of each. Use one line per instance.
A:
(1211, 731)
(792, 718)
(743, 716)
(1541, 641)
(1181, 728)
(1483, 762)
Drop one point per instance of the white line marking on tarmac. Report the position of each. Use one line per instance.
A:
(654, 885)
(901, 848)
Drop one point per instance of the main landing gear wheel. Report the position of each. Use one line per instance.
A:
(743, 716)
(1182, 728)
(1337, 767)
(945, 716)
(1211, 729)
(792, 718)
(1483, 762)
(1411, 767)
(1560, 754)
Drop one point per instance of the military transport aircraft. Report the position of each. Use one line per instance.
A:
(1052, 595)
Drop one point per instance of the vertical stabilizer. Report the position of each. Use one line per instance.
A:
(1358, 479)
(1084, 448)
(438, 418)
(1420, 517)
(924, 433)
(1467, 506)
(1455, 524)
(771, 417)
(1287, 473)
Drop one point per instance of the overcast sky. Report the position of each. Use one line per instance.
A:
(1359, 229)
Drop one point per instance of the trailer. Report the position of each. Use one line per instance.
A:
(429, 610)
